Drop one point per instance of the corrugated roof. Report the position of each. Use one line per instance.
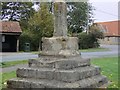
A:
(10, 27)
(112, 27)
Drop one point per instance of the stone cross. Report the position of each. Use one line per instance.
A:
(60, 18)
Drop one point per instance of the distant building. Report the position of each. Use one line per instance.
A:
(111, 31)
(10, 32)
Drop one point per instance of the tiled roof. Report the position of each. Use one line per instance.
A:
(10, 27)
(112, 28)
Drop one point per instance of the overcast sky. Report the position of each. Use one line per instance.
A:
(106, 10)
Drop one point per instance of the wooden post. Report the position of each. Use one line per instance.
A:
(17, 48)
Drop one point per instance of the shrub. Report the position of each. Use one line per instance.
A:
(87, 41)
(28, 37)
(90, 40)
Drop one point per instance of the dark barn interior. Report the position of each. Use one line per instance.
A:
(10, 44)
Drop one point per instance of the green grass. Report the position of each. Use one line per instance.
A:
(94, 50)
(12, 63)
(5, 77)
(36, 52)
(109, 68)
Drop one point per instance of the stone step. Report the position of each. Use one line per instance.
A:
(64, 63)
(60, 75)
(93, 82)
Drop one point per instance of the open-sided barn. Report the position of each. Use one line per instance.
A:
(10, 32)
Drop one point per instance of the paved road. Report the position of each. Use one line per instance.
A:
(12, 68)
(16, 56)
(24, 56)
(113, 51)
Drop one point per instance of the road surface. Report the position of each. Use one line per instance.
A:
(16, 56)
(113, 51)
(24, 56)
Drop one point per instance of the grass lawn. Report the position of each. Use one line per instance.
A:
(36, 52)
(12, 63)
(109, 66)
(94, 50)
(5, 77)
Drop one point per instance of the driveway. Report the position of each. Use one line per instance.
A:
(24, 56)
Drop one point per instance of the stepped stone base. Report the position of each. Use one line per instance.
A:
(93, 82)
(58, 72)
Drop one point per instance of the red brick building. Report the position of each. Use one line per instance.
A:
(10, 32)
(111, 31)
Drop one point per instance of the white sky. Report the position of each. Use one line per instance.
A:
(106, 10)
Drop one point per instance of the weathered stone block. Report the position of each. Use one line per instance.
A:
(63, 63)
(31, 73)
(60, 46)
(26, 84)
(71, 64)
(20, 72)
(15, 83)
(11, 83)
(66, 76)
(45, 74)
(60, 75)
(92, 82)
(36, 85)
(36, 73)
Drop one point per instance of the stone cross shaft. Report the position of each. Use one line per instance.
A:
(60, 18)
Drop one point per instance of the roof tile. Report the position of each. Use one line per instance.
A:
(112, 27)
(10, 27)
